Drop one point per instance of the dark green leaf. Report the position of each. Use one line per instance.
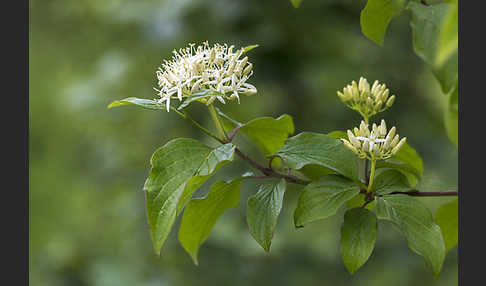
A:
(173, 179)
(390, 181)
(314, 148)
(201, 215)
(376, 15)
(323, 198)
(358, 235)
(446, 218)
(314, 172)
(435, 37)
(263, 210)
(415, 221)
(145, 103)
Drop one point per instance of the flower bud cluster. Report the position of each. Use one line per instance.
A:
(367, 100)
(377, 144)
(204, 68)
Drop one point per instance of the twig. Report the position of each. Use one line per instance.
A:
(416, 193)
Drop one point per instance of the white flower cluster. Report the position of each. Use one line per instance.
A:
(216, 69)
(377, 144)
(367, 101)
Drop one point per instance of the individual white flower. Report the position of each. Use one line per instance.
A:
(375, 144)
(367, 100)
(216, 71)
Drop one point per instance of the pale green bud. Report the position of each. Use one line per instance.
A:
(248, 69)
(349, 146)
(391, 133)
(394, 141)
(366, 146)
(375, 86)
(399, 145)
(353, 139)
(363, 85)
(382, 128)
(385, 94)
(378, 105)
(242, 63)
(390, 101)
(375, 128)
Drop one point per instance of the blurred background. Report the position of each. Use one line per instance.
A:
(88, 164)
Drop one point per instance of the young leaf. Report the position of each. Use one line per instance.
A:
(446, 218)
(323, 198)
(314, 148)
(173, 179)
(197, 96)
(296, 3)
(144, 103)
(375, 18)
(390, 181)
(435, 41)
(269, 134)
(415, 221)
(249, 48)
(201, 215)
(406, 161)
(358, 235)
(262, 212)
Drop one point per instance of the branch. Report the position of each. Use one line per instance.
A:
(269, 172)
(416, 193)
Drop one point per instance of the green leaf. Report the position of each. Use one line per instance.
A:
(197, 97)
(415, 221)
(314, 172)
(451, 117)
(446, 218)
(145, 103)
(435, 41)
(338, 134)
(262, 212)
(407, 161)
(375, 18)
(178, 169)
(201, 215)
(323, 198)
(314, 148)
(390, 181)
(269, 134)
(296, 3)
(358, 235)
(358, 201)
(228, 122)
(249, 48)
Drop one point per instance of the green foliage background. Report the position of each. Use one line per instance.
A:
(88, 164)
